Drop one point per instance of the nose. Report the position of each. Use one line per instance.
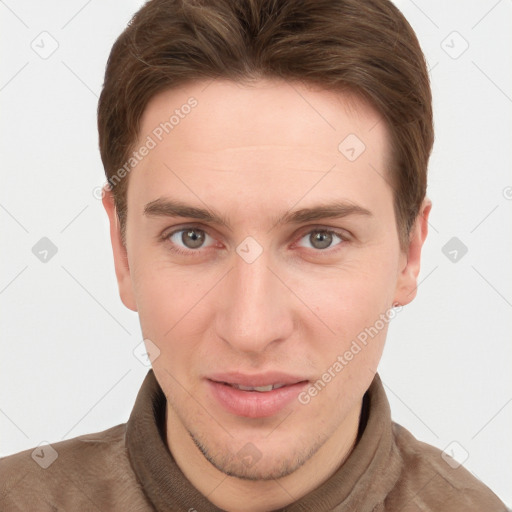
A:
(254, 309)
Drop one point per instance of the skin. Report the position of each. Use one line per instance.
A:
(252, 153)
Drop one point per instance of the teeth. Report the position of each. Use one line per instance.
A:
(261, 389)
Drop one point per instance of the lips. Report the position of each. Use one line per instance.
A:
(255, 396)
(256, 380)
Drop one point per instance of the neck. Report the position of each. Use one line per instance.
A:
(237, 495)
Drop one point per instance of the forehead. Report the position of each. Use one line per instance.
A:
(254, 113)
(247, 139)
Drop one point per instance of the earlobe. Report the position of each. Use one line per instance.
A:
(408, 276)
(121, 263)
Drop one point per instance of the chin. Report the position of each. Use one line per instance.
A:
(258, 464)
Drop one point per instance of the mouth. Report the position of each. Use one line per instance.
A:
(259, 389)
(256, 396)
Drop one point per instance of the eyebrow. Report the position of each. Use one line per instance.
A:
(165, 207)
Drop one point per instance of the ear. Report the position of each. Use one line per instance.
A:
(407, 279)
(122, 267)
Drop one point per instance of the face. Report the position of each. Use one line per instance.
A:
(261, 246)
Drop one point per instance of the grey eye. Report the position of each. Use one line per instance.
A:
(321, 239)
(189, 238)
(192, 238)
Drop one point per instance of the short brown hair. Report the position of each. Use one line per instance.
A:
(363, 46)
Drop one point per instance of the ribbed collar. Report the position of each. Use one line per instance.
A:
(362, 482)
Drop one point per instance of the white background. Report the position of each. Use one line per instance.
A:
(66, 355)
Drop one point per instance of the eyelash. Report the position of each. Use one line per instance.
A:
(190, 252)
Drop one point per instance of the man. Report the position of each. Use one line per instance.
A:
(266, 166)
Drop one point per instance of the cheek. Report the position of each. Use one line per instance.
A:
(352, 306)
(358, 311)
(349, 300)
(158, 299)
(171, 311)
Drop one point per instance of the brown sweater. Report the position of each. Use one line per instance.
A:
(129, 468)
